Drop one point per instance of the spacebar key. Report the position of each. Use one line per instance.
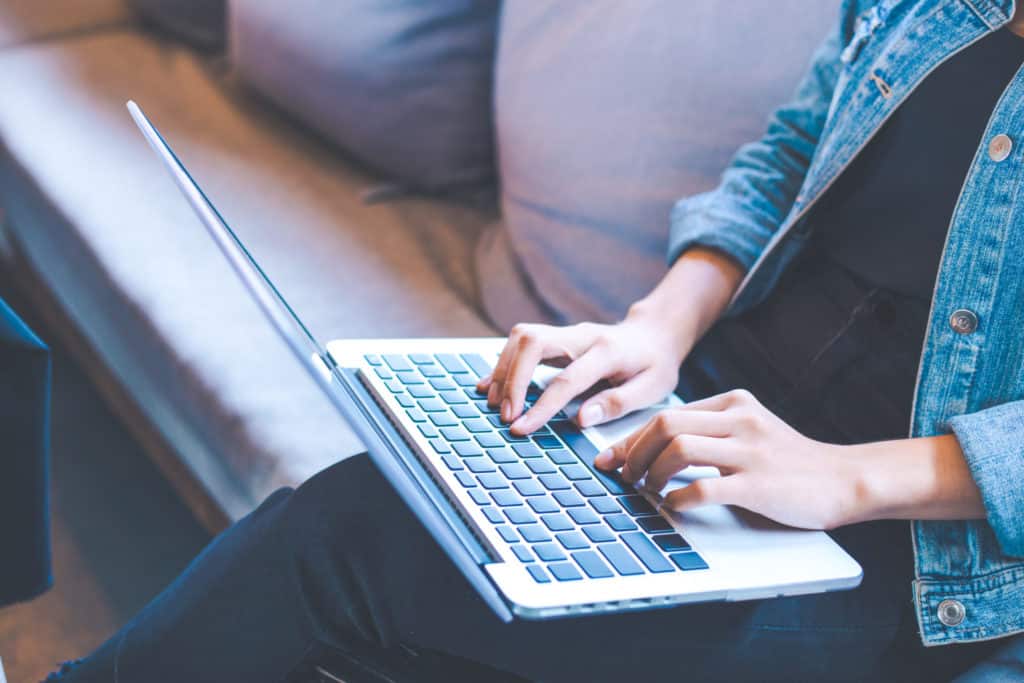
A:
(586, 451)
(647, 552)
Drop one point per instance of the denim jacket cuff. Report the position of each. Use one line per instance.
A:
(991, 442)
(701, 220)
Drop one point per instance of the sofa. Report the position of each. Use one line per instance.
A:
(564, 217)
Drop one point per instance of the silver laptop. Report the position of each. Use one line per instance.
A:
(534, 527)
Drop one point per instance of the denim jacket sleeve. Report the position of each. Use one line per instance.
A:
(992, 444)
(760, 185)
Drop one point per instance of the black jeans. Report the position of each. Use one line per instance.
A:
(339, 569)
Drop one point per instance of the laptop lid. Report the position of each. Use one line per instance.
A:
(342, 388)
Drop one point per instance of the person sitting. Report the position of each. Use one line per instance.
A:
(842, 312)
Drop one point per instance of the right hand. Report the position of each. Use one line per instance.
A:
(639, 357)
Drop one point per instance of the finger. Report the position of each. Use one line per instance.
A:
(638, 392)
(723, 401)
(485, 383)
(579, 376)
(636, 454)
(520, 373)
(729, 490)
(687, 450)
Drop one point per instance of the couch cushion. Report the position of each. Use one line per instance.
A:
(607, 113)
(404, 86)
(103, 223)
(23, 21)
(199, 22)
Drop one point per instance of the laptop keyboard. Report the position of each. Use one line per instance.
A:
(560, 516)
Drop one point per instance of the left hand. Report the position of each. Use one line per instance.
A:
(766, 465)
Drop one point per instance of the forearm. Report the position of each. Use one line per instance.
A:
(924, 478)
(692, 295)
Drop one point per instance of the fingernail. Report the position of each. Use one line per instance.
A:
(591, 415)
(603, 459)
(506, 410)
(521, 426)
(492, 395)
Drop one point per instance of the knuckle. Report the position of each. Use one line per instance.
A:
(560, 381)
(739, 397)
(663, 426)
(699, 490)
(614, 403)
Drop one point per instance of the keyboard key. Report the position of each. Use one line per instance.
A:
(520, 515)
(443, 384)
(671, 543)
(384, 373)
(515, 470)
(620, 522)
(654, 525)
(421, 391)
(486, 409)
(522, 553)
(468, 449)
(534, 533)
(589, 488)
(605, 505)
(538, 466)
(636, 505)
(451, 363)
(543, 504)
(576, 472)
(492, 480)
(477, 364)
(647, 552)
(394, 386)
(372, 359)
(506, 498)
(480, 497)
(431, 371)
(598, 533)
(408, 377)
(557, 522)
(562, 457)
(421, 358)
(508, 534)
(453, 397)
(440, 447)
(689, 561)
(502, 455)
(572, 540)
(554, 482)
(592, 564)
(496, 420)
(455, 434)
(581, 445)
(549, 552)
(467, 380)
(526, 450)
(405, 400)
(477, 426)
(465, 411)
(453, 463)
(538, 573)
(432, 405)
(397, 362)
(490, 440)
(584, 516)
(471, 393)
(513, 438)
(416, 415)
(547, 442)
(479, 466)
(569, 499)
(466, 479)
(563, 571)
(620, 559)
(528, 487)
(493, 514)
(428, 431)
(444, 419)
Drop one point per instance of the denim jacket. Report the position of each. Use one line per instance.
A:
(969, 574)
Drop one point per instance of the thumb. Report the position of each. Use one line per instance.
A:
(638, 392)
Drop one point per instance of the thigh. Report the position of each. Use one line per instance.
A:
(366, 569)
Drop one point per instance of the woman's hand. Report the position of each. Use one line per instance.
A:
(640, 357)
(767, 466)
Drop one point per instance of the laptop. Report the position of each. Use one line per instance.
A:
(534, 527)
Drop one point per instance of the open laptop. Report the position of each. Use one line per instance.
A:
(533, 526)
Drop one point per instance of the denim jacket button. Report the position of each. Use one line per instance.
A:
(1000, 147)
(951, 612)
(963, 321)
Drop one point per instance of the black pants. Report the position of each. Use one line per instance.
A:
(340, 568)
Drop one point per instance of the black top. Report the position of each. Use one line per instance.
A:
(887, 216)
